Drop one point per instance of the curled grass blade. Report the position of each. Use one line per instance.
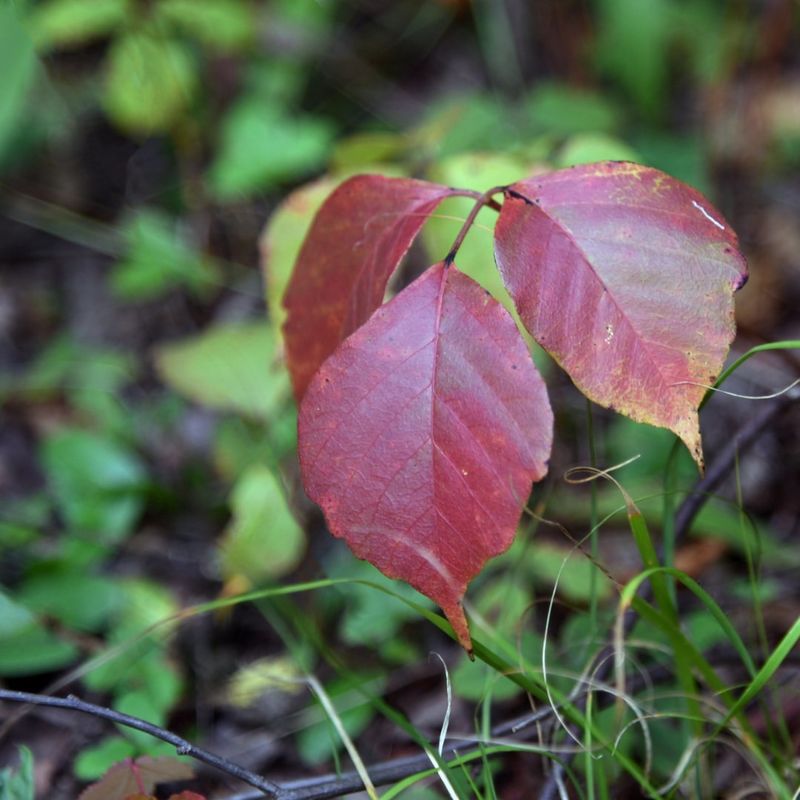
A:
(787, 344)
(687, 651)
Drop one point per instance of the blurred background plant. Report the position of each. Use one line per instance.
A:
(160, 162)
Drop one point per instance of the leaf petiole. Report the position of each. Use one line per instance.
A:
(481, 200)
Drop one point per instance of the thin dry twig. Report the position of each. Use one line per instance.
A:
(328, 786)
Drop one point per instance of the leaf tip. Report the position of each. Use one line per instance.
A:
(689, 432)
(458, 621)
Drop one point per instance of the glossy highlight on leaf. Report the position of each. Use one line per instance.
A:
(355, 243)
(626, 276)
(421, 435)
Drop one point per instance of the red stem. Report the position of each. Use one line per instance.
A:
(481, 200)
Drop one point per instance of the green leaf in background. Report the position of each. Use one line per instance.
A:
(14, 617)
(711, 56)
(563, 110)
(669, 740)
(586, 148)
(650, 446)
(279, 82)
(503, 603)
(139, 704)
(224, 24)
(681, 156)
(18, 784)
(632, 44)
(479, 171)
(72, 367)
(546, 562)
(319, 741)
(263, 541)
(90, 378)
(261, 146)
(149, 82)
(282, 238)
(230, 368)
(581, 635)
(703, 629)
(160, 678)
(93, 761)
(82, 602)
(22, 521)
(18, 70)
(472, 122)
(158, 258)
(361, 150)
(26, 646)
(97, 483)
(373, 618)
(241, 443)
(72, 23)
(139, 663)
(309, 15)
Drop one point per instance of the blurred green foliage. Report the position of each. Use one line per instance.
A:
(18, 67)
(158, 259)
(231, 367)
(18, 784)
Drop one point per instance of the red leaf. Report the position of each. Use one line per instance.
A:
(626, 277)
(131, 777)
(355, 243)
(421, 435)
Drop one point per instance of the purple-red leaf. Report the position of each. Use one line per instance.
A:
(421, 435)
(626, 276)
(130, 777)
(355, 243)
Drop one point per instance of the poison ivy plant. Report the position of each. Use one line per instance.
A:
(423, 422)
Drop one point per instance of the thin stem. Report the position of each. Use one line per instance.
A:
(476, 195)
(326, 786)
(687, 511)
(319, 786)
(481, 200)
(182, 747)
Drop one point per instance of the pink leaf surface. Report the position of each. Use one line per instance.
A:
(626, 276)
(356, 241)
(421, 435)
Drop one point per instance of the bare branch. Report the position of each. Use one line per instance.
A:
(182, 747)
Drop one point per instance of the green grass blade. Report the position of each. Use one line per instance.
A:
(771, 666)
